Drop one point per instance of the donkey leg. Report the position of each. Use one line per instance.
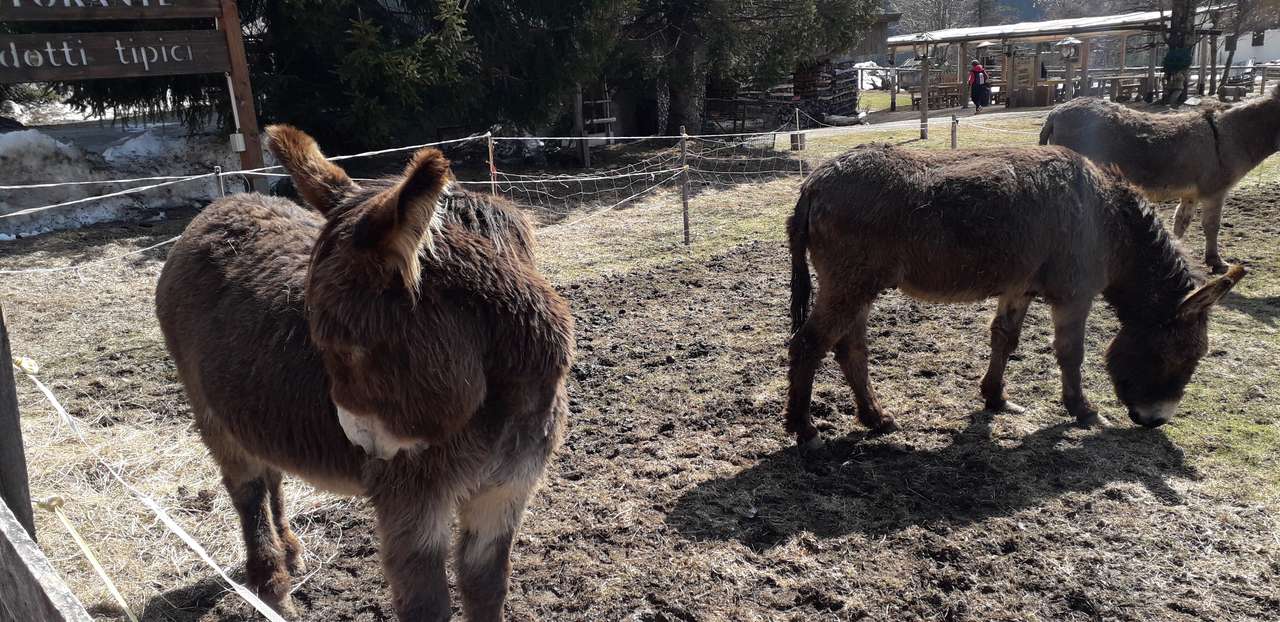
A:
(808, 347)
(265, 563)
(413, 541)
(851, 352)
(1006, 330)
(280, 519)
(1182, 217)
(487, 523)
(1068, 345)
(1211, 220)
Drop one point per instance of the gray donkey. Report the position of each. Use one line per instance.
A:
(940, 226)
(1194, 156)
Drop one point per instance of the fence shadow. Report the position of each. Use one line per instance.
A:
(879, 488)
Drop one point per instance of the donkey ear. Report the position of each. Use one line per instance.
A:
(320, 182)
(1199, 301)
(398, 220)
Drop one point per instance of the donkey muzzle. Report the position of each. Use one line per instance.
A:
(1153, 415)
(369, 433)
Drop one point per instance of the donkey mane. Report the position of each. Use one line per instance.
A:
(484, 215)
(1159, 273)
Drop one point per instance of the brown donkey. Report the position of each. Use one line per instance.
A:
(1196, 157)
(396, 342)
(962, 226)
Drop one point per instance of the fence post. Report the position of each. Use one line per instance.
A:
(955, 124)
(580, 128)
(797, 137)
(13, 461)
(924, 95)
(222, 183)
(684, 181)
(493, 169)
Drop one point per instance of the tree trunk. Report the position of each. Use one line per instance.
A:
(1231, 54)
(1177, 60)
(687, 83)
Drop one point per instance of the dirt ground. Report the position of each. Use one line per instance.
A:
(677, 496)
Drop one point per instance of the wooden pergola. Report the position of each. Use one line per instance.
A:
(1020, 76)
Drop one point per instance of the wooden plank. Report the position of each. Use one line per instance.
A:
(29, 588)
(82, 10)
(242, 92)
(13, 461)
(88, 56)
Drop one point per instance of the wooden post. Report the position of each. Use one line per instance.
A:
(684, 181)
(1151, 68)
(797, 137)
(242, 93)
(1213, 63)
(892, 79)
(955, 126)
(1005, 66)
(30, 590)
(13, 461)
(893, 90)
(924, 95)
(1124, 53)
(1201, 52)
(961, 71)
(579, 128)
(493, 169)
(1085, 88)
(1070, 75)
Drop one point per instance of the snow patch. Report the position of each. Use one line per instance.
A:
(32, 157)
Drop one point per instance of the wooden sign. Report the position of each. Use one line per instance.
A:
(61, 10)
(87, 56)
(67, 57)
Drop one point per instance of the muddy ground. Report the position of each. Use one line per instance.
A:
(677, 496)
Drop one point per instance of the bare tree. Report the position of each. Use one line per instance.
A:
(926, 15)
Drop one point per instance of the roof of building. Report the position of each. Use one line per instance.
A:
(1045, 30)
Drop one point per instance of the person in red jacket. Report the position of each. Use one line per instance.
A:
(979, 86)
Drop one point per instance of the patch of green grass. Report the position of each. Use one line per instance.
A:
(878, 100)
(1230, 422)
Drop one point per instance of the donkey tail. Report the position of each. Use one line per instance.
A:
(1046, 130)
(798, 239)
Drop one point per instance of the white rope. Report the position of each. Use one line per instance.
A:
(566, 180)
(156, 509)
(998, 129)
(33, 210)
(90, 263)
(615, 205)
(367, 154)
(93, 182)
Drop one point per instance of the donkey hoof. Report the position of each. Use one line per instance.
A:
(886, 425)
(813, 443)
(1005, 406)
(283, 606)
(1090, 419)
(1216, 266)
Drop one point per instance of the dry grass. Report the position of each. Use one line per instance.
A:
(718, 520)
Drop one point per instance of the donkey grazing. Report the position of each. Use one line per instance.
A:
(1196, 157)
(396, 342)
(962, 226)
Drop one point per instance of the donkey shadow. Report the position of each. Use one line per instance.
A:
(880, 487)
(1264, 309)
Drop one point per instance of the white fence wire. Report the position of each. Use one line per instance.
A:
(640, 166)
